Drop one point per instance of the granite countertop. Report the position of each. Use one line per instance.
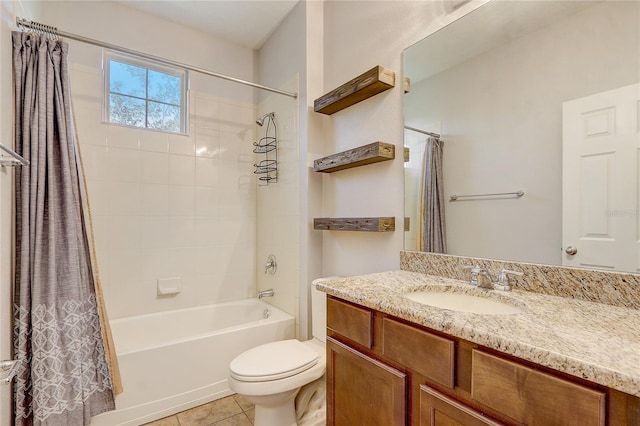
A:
(594, 341)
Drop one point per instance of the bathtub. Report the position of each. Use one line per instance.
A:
(175, 360)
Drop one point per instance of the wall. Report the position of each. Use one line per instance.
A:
(167, 205)
(295, 46)
(357, 36)
(278, 206)
(281, 64)
(502, 126)
(311, 198)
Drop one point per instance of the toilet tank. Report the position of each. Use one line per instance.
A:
(319, 309)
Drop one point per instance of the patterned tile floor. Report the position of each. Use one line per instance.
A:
(233, 410)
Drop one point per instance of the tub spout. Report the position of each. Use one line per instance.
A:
(265, 293)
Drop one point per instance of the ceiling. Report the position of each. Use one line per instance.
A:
(245, 22)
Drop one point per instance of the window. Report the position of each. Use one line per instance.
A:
(145, 94)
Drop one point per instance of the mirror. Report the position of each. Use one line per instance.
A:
(507, 86)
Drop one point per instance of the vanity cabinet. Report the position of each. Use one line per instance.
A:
(362, 390)
(383, 370)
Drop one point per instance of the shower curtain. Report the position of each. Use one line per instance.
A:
(61, 334)
(431, 223)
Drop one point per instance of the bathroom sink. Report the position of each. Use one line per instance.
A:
(463, 302)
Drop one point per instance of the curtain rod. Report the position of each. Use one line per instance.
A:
(424, 132)
(47, 29)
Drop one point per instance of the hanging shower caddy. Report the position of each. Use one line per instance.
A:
(267, 169)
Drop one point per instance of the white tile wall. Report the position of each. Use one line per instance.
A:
(207, 142)
(181, 144)
(207, 172)
(154, 167)
(169, 205)
(278, 220)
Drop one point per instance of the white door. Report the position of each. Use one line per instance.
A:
(600, 216)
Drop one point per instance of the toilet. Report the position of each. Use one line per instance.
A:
(271, 375)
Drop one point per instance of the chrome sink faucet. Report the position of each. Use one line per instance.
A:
(482, 279)
(478, 276)
(503, 279)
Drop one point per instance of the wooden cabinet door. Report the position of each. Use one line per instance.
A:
(437, 409)
(362, 390)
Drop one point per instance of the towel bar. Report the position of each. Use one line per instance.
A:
(15, 160)
(455, 197)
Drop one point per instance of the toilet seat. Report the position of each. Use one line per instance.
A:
(273, 361)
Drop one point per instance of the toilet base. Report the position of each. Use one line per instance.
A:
(275, 410)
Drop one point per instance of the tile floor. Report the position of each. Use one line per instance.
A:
(233, 410)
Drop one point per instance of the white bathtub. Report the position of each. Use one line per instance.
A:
(172, 361)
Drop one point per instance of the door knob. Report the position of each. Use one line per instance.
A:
(571, 250)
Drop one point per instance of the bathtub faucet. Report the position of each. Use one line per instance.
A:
(265, 293)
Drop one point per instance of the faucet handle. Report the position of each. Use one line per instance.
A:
(503, 279)
(475, 273)
(271, 266)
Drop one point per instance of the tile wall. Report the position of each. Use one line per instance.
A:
(278, 207)
(167, 206)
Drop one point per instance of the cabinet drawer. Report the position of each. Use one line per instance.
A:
(437, 409)
(428, 354)
(533, 397)
(351, 321)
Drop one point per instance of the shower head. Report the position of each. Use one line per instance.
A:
(260, 121)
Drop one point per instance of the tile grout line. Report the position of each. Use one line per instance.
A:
(245, 411)
(219, 421)
(233, 415)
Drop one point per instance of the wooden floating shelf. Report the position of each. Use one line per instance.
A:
(366, 154)
(367, 224)
(376, 80)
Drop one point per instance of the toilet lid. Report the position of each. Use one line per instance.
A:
(273, 361)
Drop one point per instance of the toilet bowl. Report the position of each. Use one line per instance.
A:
(271, 375)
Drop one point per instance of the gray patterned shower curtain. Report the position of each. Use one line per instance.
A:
(431, 223)
(65, 376)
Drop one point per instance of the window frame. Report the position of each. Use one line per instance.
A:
(147, 64)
